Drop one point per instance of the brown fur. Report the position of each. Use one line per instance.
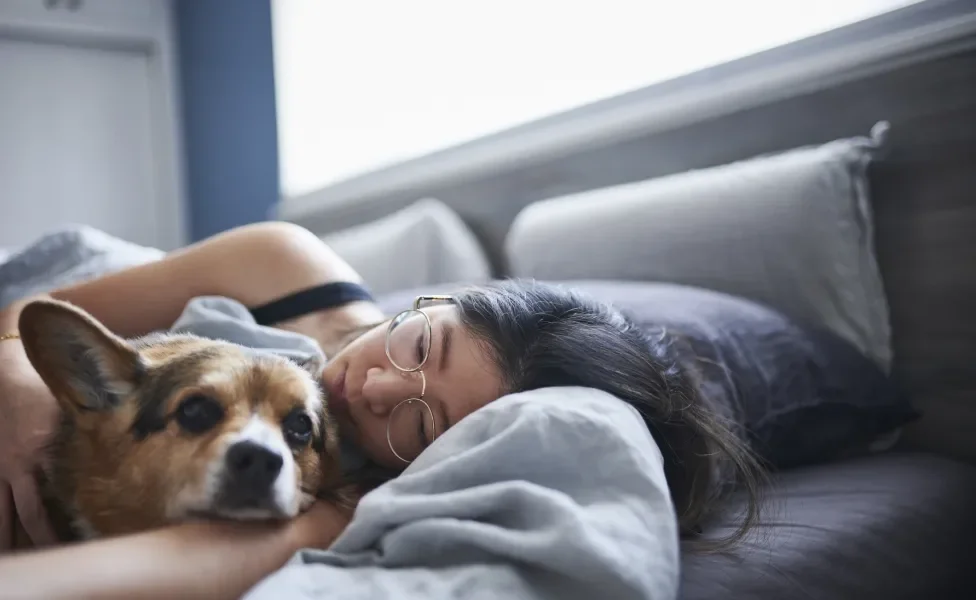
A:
(119, 461)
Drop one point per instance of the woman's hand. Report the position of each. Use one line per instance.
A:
(28, 413)
(320, 525)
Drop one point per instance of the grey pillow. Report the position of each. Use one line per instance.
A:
(425, 243)
(799, 393)
(792, 230)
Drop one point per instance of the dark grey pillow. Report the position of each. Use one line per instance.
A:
(800, 394)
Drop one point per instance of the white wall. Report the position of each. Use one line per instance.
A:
(89, 115)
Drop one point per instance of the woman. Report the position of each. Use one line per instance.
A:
(474, 348)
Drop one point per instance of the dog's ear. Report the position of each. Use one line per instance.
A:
(85, 365)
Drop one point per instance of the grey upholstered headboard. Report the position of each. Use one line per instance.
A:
(923, 191)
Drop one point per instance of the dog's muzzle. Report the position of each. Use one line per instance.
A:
(250, 473)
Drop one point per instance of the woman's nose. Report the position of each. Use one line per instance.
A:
(385, 388)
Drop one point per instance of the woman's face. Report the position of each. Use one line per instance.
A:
(364, 388)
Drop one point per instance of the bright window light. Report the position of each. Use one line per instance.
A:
(362, 84)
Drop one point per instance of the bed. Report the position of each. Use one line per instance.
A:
(892, 524)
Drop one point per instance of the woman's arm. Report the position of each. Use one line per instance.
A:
(209, 560)
(252, 264)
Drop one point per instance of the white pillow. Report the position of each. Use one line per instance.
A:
(792, 230)
(425, 243)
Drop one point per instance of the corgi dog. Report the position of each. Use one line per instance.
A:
(169, 427)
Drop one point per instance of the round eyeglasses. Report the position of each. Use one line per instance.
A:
(411, 427)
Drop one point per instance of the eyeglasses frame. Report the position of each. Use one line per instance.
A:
(418, 369)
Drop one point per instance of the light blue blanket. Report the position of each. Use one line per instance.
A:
(554, 493)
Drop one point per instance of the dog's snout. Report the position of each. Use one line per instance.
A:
(253, 465)
(257, 474)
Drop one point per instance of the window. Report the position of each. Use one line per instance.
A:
(364, 84)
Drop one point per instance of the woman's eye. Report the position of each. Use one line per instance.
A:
(199, 413)
(297, 428)
(422, 426)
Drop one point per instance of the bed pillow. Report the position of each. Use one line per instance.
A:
(66, 256)
(791, 230)
(425, 243)
(800, 394)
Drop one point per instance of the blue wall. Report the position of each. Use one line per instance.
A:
(229, 119)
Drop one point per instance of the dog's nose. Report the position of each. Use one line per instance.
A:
(253, 465)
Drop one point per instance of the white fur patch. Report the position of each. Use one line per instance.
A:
(313, 395)
(218, 378)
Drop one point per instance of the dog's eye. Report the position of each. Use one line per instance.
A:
(297, 428)
(197, 414)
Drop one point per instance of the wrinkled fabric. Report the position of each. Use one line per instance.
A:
(67, 256)
(553, 493)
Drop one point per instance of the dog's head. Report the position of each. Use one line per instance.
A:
(167, 427)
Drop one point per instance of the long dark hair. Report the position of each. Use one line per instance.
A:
(541, 335)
